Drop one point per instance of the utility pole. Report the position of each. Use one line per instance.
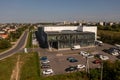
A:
(87, 65)
(101, 71)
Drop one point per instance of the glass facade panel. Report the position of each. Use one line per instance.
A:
(68, 40)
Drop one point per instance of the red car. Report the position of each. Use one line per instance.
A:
(97, 61)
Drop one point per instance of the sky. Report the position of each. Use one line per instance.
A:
(59, 10)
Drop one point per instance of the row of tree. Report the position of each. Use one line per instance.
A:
(110, 28)
(111, 37)
(109, 34)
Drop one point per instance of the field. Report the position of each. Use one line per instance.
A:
(6, 67)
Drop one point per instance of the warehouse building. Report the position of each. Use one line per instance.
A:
(65, 37)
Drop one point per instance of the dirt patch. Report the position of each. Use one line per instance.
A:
(15, 73)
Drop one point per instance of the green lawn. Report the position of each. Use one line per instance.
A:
(6, 67)
(29, 40)
(30, 68)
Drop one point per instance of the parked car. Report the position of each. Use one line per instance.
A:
(75, 47)
(72, 59)
(80, 66)
(97, 61)
(45, 61)
(43, 58)
(69, 58)
(97, 55)
(47, 71)
(103, 57)
(71, 68)
(45, 66)
(90, 56)
(99, 43)
(113, 51)
(83, 53)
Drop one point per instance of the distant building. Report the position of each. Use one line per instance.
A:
(80, 24)
(11, 30)
(2, 32)
(111, 23)
(75, 22)
(61, 37)
(3, 35)
(66, 22)
(102, 23)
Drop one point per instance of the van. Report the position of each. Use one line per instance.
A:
(75, 47)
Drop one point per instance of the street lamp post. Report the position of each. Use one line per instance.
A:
(87, 65)
(101, 71)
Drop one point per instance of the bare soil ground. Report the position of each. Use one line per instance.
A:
(15, 73)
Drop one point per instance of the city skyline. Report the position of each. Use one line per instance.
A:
(56, 10)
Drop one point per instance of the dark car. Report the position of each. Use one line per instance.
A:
(43, 58)
(73, 60)
(71, 68)
(98, 55)
(97, 61)
(69, 58)
(45, 66)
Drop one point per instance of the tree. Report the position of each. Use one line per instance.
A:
(94, 74)
(111, 37)
(111, 70)
(4, 44)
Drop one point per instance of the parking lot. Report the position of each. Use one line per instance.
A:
(58, 59)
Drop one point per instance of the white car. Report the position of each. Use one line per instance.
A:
(76, 47)
(90, 56)
(104, 57)
(45, 62)
(48, 71)
(83, 53)
(115, 53)
(80, 66)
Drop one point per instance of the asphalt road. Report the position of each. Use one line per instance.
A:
(16, 49)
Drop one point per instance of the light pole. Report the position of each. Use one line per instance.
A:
(87, 65)
(101, 71)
